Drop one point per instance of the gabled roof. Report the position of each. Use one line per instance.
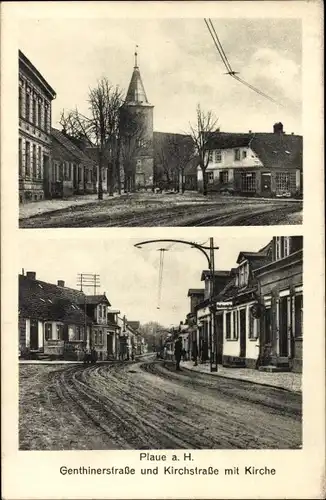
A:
(275, 150)
(71, 147)
(45, 301)
(196, 291)
(136, 92)
(217, 274)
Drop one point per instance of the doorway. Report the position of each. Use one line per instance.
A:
(219, 337)
(266, 184)
(109, 344)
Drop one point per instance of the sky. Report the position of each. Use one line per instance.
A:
(179, 64)
(128, 275)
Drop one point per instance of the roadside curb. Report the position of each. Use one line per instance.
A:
(244, 380)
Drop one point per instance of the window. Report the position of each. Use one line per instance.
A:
(27, 106)
(243, 273)
(28, 158)
(298, 311)
(59, 332)
(48, 331)
(224, 177)
(34, 111)
(39, 114)
(20, 146)
(34, 162)
(244, 154)
(218, 156)
(210, 156)
(248, 182)
(39, 166)
(285, 182)
(237, 154)
(80, 333)
(252, 325)
(228, 325)
(282, 247)
(46, 119)
(235, 324)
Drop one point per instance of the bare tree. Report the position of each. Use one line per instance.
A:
(100, 129)
(181, 149)
(201, 133)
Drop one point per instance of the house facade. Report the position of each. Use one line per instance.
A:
(51, 322)
(72, 171)
(34, 137)
(281, 302)
(255, 318)
(254, 164)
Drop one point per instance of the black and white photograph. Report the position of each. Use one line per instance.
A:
(162, 344)
(160, 122)
(162, 270)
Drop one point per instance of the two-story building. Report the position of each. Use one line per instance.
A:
(254, 163)
(196, 296)
(237, 323)
(280, 284)
(34, 138)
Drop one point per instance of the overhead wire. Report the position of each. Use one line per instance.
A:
(160, 277)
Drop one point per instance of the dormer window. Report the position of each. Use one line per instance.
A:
(243, 273)
(282, 247)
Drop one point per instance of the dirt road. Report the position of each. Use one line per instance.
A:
(180, 210)
(144, 405)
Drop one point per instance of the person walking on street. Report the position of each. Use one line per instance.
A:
(195, 353)
(178, 353)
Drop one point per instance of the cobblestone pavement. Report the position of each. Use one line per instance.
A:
(284, 380)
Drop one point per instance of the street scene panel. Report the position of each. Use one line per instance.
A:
(161, 344)
(184, 129)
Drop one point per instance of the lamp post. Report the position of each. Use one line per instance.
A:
(208, 251)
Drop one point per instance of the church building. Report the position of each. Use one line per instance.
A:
(136, 122)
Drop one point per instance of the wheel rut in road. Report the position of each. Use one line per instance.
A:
(147, 406)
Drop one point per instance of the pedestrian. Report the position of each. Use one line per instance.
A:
(178, 352)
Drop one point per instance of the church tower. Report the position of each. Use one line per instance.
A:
(136, 123)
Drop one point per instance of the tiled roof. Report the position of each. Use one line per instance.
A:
(134, 324)
(217, 274)
(45, 301)
(71, 147)
(59, 152)
(97, 299)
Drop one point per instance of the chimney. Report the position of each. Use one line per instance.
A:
(278, 128)
(31, 275)
(61, 283)
(250, 131)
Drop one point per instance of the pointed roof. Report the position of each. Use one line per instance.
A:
(136, 93)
